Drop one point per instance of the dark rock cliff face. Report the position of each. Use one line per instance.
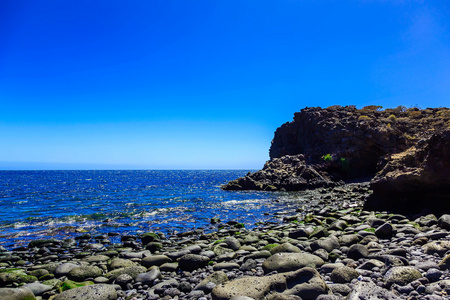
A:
(325, 147)
(416, 179)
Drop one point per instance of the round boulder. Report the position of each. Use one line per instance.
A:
(343, 274)
(190, 262)
(285, 262)
(401, 275)
(89, 292)
(83, 272)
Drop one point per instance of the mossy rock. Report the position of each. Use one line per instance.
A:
(133, 271)
(149, 237)
(154, 246)
(54, 283)
(46, 277)
(21, 293)
(9, 276)
(69, 284)
(39, 272)
(268, 247)
(219, 250)
(83, 254)
(110, 253)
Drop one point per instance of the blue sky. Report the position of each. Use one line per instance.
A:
(201, 84)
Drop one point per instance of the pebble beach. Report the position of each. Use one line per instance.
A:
(331, 249)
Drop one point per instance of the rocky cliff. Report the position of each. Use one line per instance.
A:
(326, 147)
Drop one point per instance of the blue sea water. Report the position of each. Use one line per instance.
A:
(62, 204)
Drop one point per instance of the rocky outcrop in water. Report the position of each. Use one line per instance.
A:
(325, 147)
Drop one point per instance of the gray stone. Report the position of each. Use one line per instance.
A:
(285, 248)
(340, 288)
(401, 275)
(218, 277)
(132, 271)
(190, 262)
(348, 239)
(226, 266)
(372, 263)
(328, 268)
(433, 274)
(83, 272)
(155, 260)
(363, 290)
(21, 293)
(285, 262)
(384, 231)
(328, 244)
(90, 292)
(444, 222)
(149, 277)
(444, 264)
(233, 243)
(123, 279)
(64, 269)
(9, 276)
(343, 275)
(305, 283)
(439, 247)
(118, 263)
(96, 258)
(357, 251)
(37, 288)
(169, 267)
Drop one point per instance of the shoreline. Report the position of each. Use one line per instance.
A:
(351, 251)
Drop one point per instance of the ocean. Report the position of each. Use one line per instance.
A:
(64, 204)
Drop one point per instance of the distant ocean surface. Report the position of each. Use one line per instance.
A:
(62, 204)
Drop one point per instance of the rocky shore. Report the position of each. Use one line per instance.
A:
(333, 250)
(405, 153)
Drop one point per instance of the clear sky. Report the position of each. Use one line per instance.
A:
(201, 84)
